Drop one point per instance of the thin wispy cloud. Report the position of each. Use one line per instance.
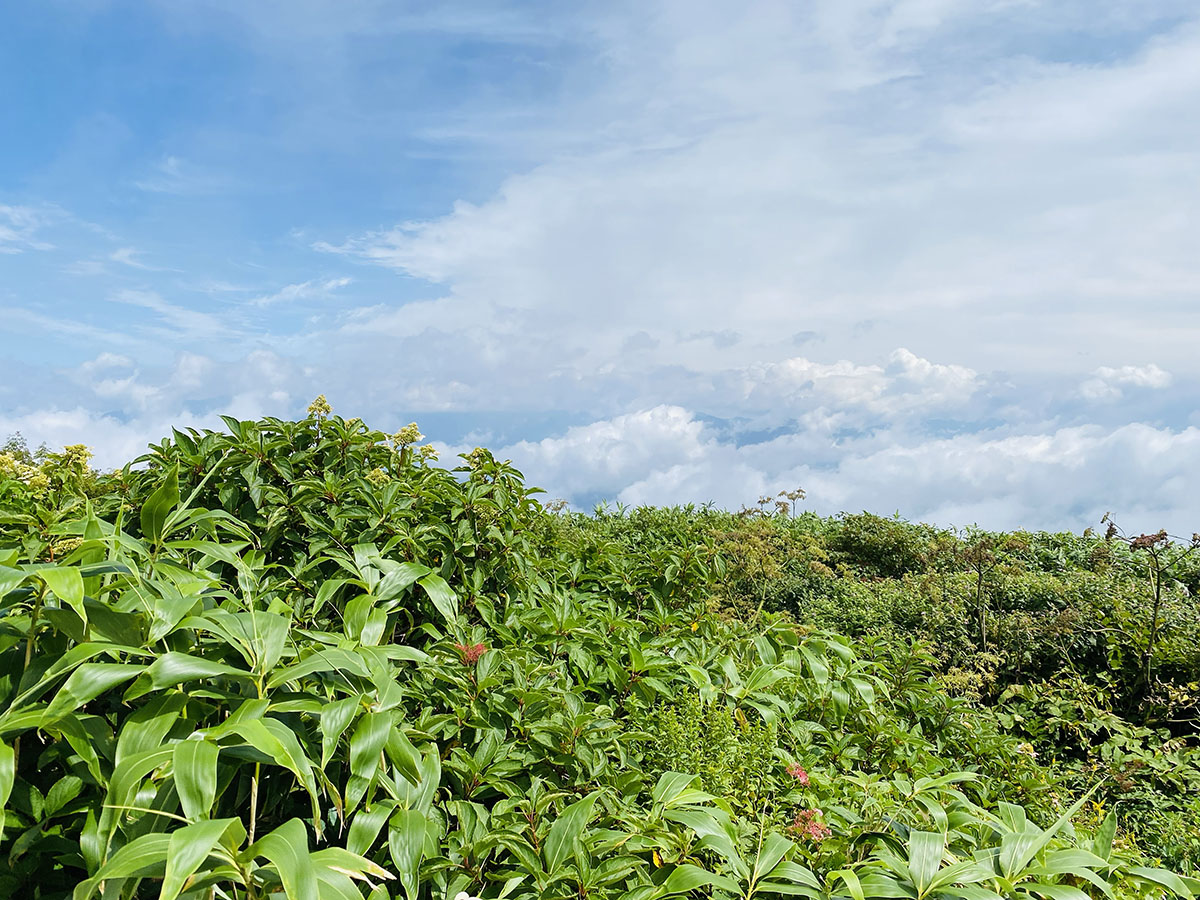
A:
(180, 320)
(305, 290)
(30, 322)
(173, 175)
(19, 226)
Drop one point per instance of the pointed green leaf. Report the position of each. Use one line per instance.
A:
(688, 877)
(566, 830)
(189, 847)
(195, 766)
(143, 856)
(443, 598)
(86, 683)
(925, 850)
(66, 582)
(406, 841)
(287, 850)
(159, 505)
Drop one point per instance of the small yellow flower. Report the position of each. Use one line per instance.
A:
(409, 434)
(695, 626)
(657, 860)
(319, 408)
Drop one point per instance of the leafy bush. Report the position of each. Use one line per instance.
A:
(880, 547)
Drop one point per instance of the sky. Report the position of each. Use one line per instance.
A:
(938, 258)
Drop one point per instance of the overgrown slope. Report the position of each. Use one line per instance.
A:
(299, 657)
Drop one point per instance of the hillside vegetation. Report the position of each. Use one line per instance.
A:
(301, 659)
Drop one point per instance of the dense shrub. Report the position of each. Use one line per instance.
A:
(880, 547)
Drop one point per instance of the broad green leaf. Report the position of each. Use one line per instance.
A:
(404, 755)
(775, 847)
(226, 553)
(443, 598)
(1019, 848)
(63, 792)
(1102, 844)
(566, 830)
(86, 683)
(365, 827)
(189, 847)
(406, 841)
(925, 850)
(11, 579)
(67, 584)
(346, 662)
(1053, 891)
(174, 668)
(688, 878)
(354, 865)
(366, 749)
(393, 584)
(143, 856)
(83, 742)
(816, 667)
(335, 717)
(849, 878)
(159, 505)
(674, 789)
(274, 739)
(287, 850)
(888, 886)
(7, 777)
(127, 777)
(195, 772)
(149, 725)
(1163, 877)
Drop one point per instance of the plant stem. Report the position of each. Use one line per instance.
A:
(254, 800)
(37, 608)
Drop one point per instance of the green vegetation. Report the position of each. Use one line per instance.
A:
(298, 659)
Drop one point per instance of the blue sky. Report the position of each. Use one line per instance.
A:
(932, 256)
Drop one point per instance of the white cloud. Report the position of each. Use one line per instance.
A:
(106, 361)
(1106, 382)
(180, 320)
(19, 226)
(784, 191)
(174, 175)
(305, 290)
(606, 456)
(127, 256)
(1056, 479)
(65, 326)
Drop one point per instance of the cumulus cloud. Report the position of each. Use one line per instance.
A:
(1058, 479)
(1106, 382)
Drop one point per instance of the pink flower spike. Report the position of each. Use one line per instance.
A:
(470, 653)
(809, 825)
(797, 771)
